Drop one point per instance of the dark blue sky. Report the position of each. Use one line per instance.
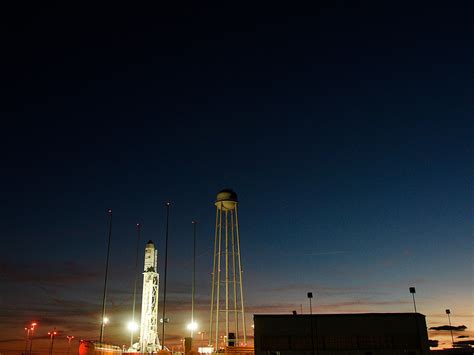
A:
(346, 131)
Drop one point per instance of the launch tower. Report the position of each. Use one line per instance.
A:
(149, 341)
(227, 298)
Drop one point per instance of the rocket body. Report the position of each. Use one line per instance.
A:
(151, 258)
(149, 341)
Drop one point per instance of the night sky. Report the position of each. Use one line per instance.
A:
(346, 131)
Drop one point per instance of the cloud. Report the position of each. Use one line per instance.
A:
(335, 252)
(363, 302)
(275, 308)
(321, 289)
(449, 327)
(341, 306)
(47, 273)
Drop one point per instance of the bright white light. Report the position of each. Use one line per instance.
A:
(106, 320)
(132, 326)
(192, 326)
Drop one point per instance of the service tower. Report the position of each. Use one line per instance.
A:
(149, 341)
(227, 298)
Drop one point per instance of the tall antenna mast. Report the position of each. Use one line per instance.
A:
(194, 278)
(104, 298)
(133, 325)
(168, 204)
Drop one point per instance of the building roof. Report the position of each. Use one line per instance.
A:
(341, 314)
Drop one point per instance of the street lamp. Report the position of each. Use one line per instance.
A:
(133, 328)
(202, 337)
(193, 326)
(168, 205)
(33, 325)
(27, 336)
(52, 334)
(104, 297)
(310, 296)
(69, 338)
(448, 312)
(412, 291)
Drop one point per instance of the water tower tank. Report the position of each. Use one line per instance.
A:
(226, 199)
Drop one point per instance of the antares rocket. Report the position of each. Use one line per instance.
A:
(149, 341)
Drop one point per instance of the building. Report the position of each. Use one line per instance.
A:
(354, 334)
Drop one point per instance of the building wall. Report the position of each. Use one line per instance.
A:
(327, 334)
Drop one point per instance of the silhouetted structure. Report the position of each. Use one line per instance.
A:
(364, 334)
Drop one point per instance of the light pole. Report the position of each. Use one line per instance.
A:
(202, 337)
(310, 296)
(168, 204)
(33, 325)
(132, 325)
(412, 291)
(253, 332)
(193, 325)
(448, 312)
(69, 338)
(27, 336)
(52, 334)
(105, 279)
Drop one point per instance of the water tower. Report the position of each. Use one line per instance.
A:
(227, 321)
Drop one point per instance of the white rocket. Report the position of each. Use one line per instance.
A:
(149, 341)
